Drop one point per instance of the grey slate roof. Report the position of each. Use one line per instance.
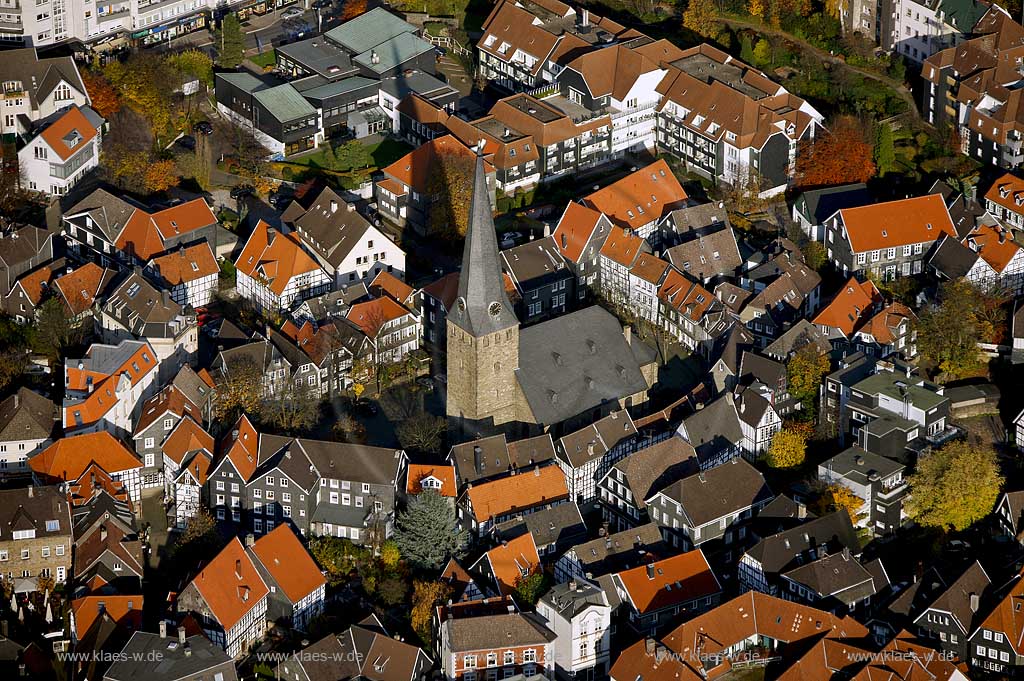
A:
(653, 468)
(193, 387)
(595, 439)
(320, 56)
(956, 600)
(951, 258)
(482, 307)
(491, 632)
(820, 204)
(423, 84)
(714, 428)
(560, 525)
(859, 466)
(577, 362)
(243, 80)
(839, 576)
(800, 334)
(535, 262)
(710, 254)
(570, 602)
(621, 550)
(38, 76)
(144, 310)
(777, 551)
(108, 212)
(315, 88)
(491, 457)
(27, 415)
(360, 463)
(163, 659)
(722, 490)
(334, 660)
(331, 227)
(369, 30)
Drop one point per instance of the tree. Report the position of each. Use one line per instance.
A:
(390, 555)
(230, 42)
(54, 331)
(425, 596)
(193, 65)
(145, 84)
(330, 159)
(700, 17)
(422, 433)
(840, 156)
(763, 53)
(788, 449)
(14, 195)
(815, 255)
(834, 7)
(239, 390)
(337, 557)
(427, 533)
(532, 586)
(948, 333)
(885, 152)
(200, 541)
(450, 186)
(392, 591)
(161, 175)
(248, 153)
(804, 372)
(348, 429)
(747, 49)
(954, 486)
(353, 8)
(835, 497)
(102, 95)
(294, 409)
(353, 154)
(12, 366)
(757, 8)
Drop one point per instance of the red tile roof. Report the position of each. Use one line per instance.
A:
(230, 584)
(920, 219)
(274, 257)
(415, 168)
(145, 234)
(170, 400)
(241, 445)
(622, 246)
(81, 288)
(640, 197)
(995, 245)
(850, 306)
(72, 122)
(371, 315)
(444, 474)
(670, 582)
(126, 611)
(187, 264)
(512, 560)
(103, 397)
(1006, 192)
(69, 457)
(574, 229)
(391, 285)
(288, 562)
(187, 436)
(526, 489)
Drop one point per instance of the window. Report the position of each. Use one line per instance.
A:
(469, 662)
(150, 460)
(529, 655)
(257, 493)
(270, 480)
(52, 525)
(270, 494)
(346, 499)
(220, 486)
(25, 554)
(150, 443)
(168, 424)
(366, 488)
(492, 659)
(510, 657)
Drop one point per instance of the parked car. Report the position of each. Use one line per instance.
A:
(203, 128)
(292, 13)
(241, 191)
(187, 142)
(321, 4)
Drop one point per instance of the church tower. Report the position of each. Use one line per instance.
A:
(483, 331)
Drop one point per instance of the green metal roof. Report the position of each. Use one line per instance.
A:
(339, 87)
(369, 30)
(898, 387)
(243, 80)
(961, 14)
(393, 52)
(284, 102)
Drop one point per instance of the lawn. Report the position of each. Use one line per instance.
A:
(353, 155)
(265, 60)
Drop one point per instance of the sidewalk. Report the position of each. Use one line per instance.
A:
(253, 27)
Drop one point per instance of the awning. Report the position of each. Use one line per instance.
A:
(116, 43)
(26, 585)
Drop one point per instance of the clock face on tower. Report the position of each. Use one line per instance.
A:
(494, 309)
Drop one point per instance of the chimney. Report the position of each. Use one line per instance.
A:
(334, 206)
(478, 458)
(181, 635)
(586, 18)
(238, 569)
(572, 585)
(188, 650)
(103, 533)
(649, 646)
(650, 571)
(975, 602)
(163, 628)
(31, 491)
(627, 331)
(17, 400)
(250, 539)
(350, 207)
(165, 297)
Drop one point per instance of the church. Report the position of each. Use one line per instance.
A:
(556, 375)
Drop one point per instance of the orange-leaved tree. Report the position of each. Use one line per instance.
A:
(842, 155)
(102, 94)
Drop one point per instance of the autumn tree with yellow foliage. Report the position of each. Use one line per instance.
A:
(788, 449)
(701, 18)
(836, 497)
(425, 596)
(954, 486)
